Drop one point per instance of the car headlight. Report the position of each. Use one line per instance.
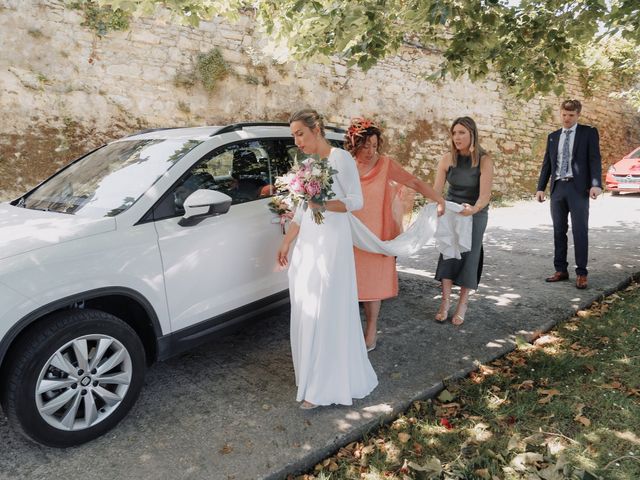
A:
(612, 169)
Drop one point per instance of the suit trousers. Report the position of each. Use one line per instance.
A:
(567, 201)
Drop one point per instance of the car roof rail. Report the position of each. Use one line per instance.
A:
(241, 125)
(147, 130)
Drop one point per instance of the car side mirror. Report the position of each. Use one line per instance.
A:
(202, 204)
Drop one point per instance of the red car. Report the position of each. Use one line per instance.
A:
(624, 175)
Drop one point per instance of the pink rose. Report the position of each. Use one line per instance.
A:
(313, 188)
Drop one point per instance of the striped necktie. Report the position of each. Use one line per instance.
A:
(566, 155)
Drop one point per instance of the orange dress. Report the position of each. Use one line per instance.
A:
(376, 274)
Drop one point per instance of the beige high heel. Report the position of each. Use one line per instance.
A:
(458, 319)
(443, 312)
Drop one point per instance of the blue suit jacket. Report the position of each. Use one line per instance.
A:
(586, 163)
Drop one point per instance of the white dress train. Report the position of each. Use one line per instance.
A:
(329, 354)
(451, 233)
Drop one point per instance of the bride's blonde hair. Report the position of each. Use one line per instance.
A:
(310, 118)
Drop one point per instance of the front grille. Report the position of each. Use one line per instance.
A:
(627, 178)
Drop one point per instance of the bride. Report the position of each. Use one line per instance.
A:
(329, 354)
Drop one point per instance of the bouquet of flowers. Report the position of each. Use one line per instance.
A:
(281, 206)
(309, 180)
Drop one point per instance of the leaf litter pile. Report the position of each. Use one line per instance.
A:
(566, 406)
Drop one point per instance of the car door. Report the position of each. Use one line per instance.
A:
(226, 261)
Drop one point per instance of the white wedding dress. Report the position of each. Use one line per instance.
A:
(329, 354)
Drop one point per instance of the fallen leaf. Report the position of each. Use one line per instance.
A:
(556, 445)
(368, 450)
(526, 385)
(432, 466)
(485, 370)
(583, 420)
(404, 437)
(333, 466)
(629, 436)
(445, 396)
(483, 473)
(445, 423)
(549, 394)
(226, 449)
(515, 442)
(521, 461)
(548, 339)
(612, 386)
(517, 359)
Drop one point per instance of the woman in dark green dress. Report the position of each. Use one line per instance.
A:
(468, 170)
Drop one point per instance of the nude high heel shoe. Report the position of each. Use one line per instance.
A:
(443, 312)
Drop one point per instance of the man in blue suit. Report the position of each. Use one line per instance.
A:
(572, 162)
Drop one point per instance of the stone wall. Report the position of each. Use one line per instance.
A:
(64, 90)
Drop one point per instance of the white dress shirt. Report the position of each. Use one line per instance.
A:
(560, 145)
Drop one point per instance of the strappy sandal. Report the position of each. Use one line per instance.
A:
(457, 318)
(443, 312)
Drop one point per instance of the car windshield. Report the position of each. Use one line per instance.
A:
(111, 179)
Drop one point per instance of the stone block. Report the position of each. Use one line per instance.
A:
(145, 36)
(341, 70)
(124, 70)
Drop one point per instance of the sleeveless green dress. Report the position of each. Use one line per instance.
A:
(464, 187)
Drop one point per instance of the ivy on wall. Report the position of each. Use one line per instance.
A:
(102, 20)
(209, 68)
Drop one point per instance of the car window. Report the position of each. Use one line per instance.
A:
(635, 154)
(241, 170)
(109, 180)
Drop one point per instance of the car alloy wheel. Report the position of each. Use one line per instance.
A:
(83, 382)
(72, 377)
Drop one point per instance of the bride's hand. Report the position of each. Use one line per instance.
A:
(315, 206)
(283, 254)
(440, 208)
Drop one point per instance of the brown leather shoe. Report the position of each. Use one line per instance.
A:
(581, 282)
(558, 277)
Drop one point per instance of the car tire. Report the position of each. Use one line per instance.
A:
(615, 192)
(73, 377)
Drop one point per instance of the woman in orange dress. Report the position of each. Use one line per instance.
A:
(380, 178)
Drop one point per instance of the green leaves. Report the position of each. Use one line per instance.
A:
(531, 46)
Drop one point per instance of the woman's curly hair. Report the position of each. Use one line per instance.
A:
(358, 132)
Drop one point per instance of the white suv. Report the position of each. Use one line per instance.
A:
(139, 250)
